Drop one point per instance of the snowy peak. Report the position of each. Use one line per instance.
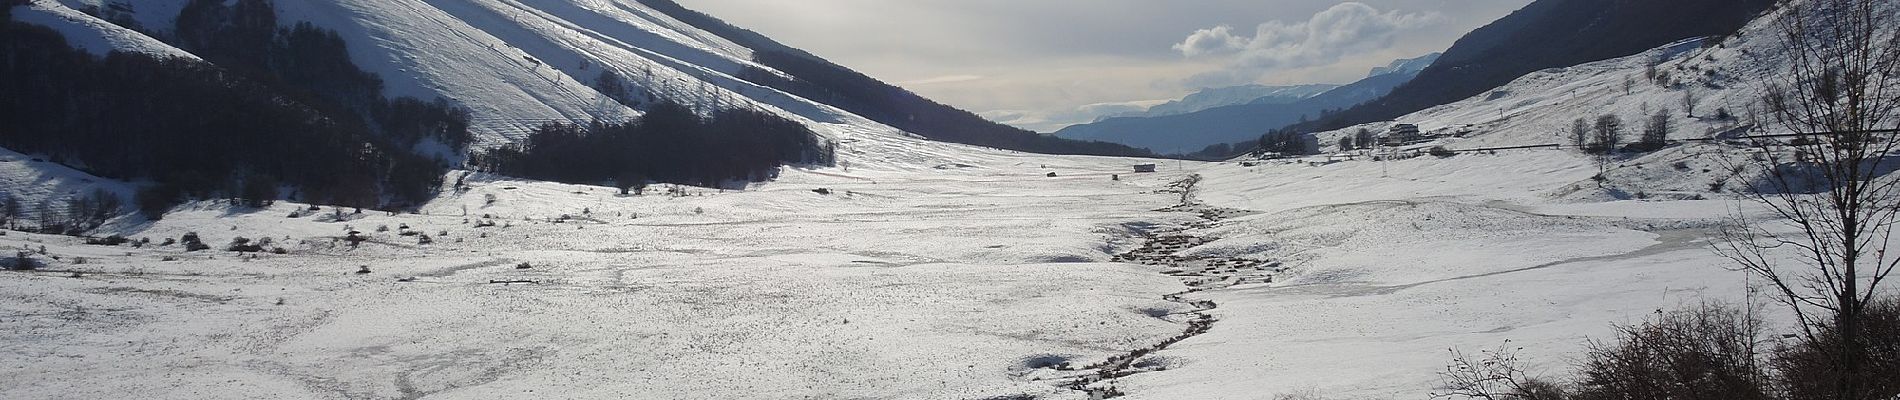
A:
(1409, 65)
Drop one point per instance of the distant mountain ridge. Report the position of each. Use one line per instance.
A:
(1229, 96)
(1193, 131)
(1413, 65)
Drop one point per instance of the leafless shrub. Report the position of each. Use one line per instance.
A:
(1807, 370)
(1708, 351)
(1831, 186)
(1493, 374)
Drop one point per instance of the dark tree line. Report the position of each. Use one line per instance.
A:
(621, 91)
(200, 130)
(671, 143)
(1217, 151)
(313, 64)
(1286, 142)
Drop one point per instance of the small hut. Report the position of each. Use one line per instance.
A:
(1144, 168)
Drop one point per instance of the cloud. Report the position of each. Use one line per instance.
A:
(1216, 40)
(1345, 29)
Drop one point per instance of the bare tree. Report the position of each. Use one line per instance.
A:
(1603, 141)
(1609, 133)
(1656, 131)
(10, 211)
(1689, 101)
(1580, 133)
(1839, 91)
(1492, 374)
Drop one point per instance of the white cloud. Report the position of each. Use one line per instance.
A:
(1330, 35)
(1219, 39)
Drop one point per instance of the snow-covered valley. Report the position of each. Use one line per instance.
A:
(912, 269)
(955, 287)
(955, 283)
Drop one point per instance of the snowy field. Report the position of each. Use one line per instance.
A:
(948, 287)
(965, 282)
(1387, 267)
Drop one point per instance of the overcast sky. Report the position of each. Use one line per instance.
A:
(1046, 63)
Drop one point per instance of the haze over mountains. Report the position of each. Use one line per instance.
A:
(1218, 116)
(1227, 96)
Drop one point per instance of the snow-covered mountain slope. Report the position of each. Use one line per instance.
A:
(1409, 65)
(1708, 87)
(92, 34)
(42, 187)
(519, 63)
(1550, 34)
(1704, 87)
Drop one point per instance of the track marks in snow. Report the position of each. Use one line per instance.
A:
(1669, 241)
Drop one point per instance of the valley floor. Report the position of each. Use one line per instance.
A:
(964, 282)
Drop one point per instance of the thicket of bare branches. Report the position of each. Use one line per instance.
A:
(1806, 370)
(1493, 374)
(1708, 351)
(1712, 351)
(1829, 186)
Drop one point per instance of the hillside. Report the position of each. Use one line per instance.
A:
(427, 84)
(1549, 34)
(518, 64)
